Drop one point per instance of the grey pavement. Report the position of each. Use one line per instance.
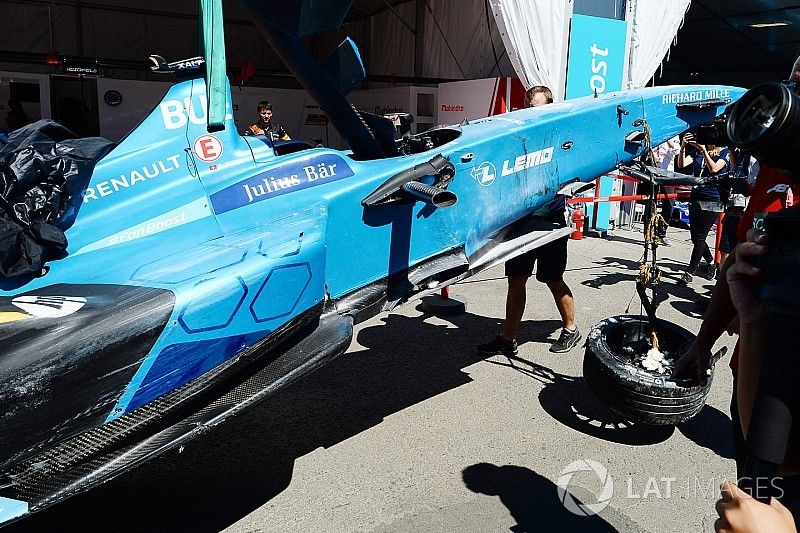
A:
(412, 431)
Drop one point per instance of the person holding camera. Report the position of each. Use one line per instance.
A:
(738, 511)
(705, 203)
(773, 191)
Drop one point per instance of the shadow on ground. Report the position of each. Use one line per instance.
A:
(568, 400)
(689, 300)
(239, 466)
(534, 503)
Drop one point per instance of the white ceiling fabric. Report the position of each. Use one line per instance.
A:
(533, 33)
(655, 26)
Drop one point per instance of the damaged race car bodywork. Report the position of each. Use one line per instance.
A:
(205, 270)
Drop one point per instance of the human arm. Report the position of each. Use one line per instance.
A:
(683, 159)
(713, 166)
(694, 363)
(740, 513)
(744, 282)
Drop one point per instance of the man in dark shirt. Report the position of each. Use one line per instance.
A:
(265, 126)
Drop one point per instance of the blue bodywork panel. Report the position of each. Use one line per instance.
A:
(246, 239)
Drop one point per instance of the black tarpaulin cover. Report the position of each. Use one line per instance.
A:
(44, 168)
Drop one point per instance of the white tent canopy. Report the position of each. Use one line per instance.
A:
(655, 26)
(534, 36)
(534, 33)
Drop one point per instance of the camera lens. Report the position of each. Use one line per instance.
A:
(766, 123)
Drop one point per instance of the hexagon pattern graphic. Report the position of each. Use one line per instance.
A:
(281, 292)
(214, 303)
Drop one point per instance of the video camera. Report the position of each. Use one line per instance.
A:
(715, 133)
(766, 123)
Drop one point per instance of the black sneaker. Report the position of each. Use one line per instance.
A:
(685, 279)
(711, 272)
(566, 341)
(498, 346)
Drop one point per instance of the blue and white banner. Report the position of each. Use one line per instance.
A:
(281, 180)
(596, 55)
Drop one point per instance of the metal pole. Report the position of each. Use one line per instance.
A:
(419, 39)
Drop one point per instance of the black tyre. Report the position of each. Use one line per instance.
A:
(630, 390)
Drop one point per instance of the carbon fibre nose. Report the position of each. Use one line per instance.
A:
(68, 353)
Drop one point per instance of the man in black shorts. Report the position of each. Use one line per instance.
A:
(550, 261)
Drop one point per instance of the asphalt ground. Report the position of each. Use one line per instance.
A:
(413, 431)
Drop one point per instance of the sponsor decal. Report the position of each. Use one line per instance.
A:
(207, 148)
(596, 55)
(189, 63)
(316, 119)
(758, 220)
(387, 109)
(533, 159)
(177, 217)
(450, 108)
(695, 96)
(779, 188)
(12, 316)
(485, 173)
(281, 180)
(49, 306)
(178, 113)
(92, 71)
(597, 83)
(11, 508)
(129, 179)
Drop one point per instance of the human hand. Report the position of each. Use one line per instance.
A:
(744, 279)
(693, 365)
(740, 513)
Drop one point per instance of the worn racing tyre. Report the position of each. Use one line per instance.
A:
(633, 392)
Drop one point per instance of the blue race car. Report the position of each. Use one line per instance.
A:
(205, 270)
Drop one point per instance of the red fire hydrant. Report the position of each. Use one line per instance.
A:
(577, 223)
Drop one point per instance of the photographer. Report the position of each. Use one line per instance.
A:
(737, 510)
(701, 160)
(735, 293)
